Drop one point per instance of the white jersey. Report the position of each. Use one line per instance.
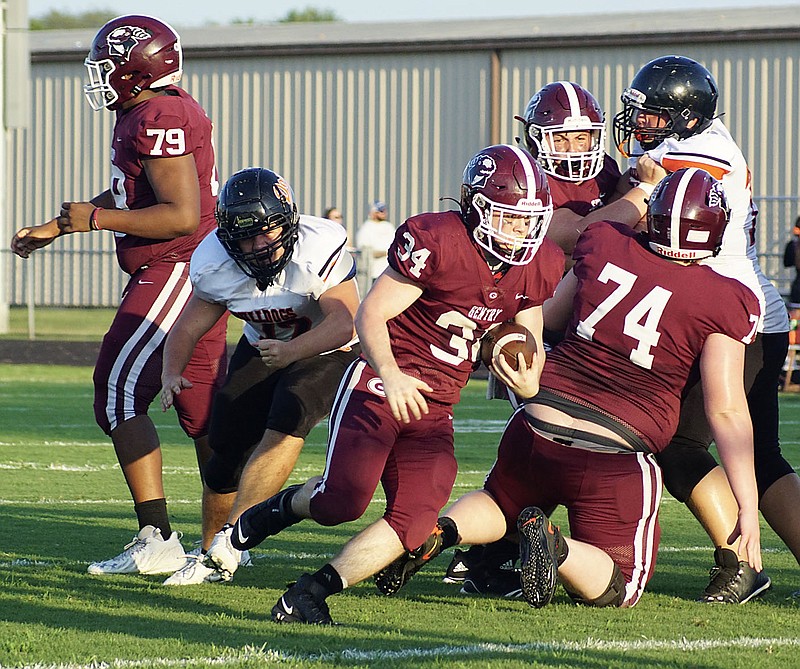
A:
(290, 306)
(715, 151)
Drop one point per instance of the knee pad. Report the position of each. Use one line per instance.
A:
(221, 475)
(684, 464)
(614, 594)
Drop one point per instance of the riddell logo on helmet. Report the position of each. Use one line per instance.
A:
(676, 254)
(123, 39)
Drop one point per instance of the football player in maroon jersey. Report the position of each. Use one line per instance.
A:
(564, 128)
(451, 276)
(579, 441)
(160, 204)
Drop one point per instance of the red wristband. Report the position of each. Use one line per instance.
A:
(93, 224)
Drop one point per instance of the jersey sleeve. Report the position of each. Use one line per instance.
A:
(165, 133)
(705, 151)
(416, 250)
(739, 313)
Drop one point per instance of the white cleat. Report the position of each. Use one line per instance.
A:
(148, 553)
(222, 556)
(193, 572)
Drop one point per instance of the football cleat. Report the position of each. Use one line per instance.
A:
(304, 602)
(193, 572)
(462, 564)
(394, 576)
(264, 520)
(147, 553)
(221, 555)
(501, 583)
(539, 545)
(733, 581)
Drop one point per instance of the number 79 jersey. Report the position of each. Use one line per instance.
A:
(437, 338)
(639, 324)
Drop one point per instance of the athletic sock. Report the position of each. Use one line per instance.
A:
(329, 579)
(154, 512)
(449, 532)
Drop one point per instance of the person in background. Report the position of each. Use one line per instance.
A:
(373, 240)
(333, 214)
(159, 207)
(791, 258)
(290, 278)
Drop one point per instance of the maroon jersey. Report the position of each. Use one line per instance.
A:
(639, 323)
(161, 127)
(437, 338)
(588, 195)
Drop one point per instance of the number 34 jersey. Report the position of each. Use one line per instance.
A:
(437, 338)
(639, 324)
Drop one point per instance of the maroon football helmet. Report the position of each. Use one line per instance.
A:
(503, 185)
(687, 215)
(130, 54)
(563, 106)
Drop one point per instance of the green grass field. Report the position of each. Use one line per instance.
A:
(63, 503)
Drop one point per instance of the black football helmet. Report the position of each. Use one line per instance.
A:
(687, 215)
(504, 181)
(130, 54)
(558, 107)
(675, 87)
(253, 202)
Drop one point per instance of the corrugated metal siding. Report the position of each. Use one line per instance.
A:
(346, 129)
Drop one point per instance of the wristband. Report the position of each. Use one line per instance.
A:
(647, 188)
(93, 224)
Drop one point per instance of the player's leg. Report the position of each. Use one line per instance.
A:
(778, 483)
(302, 395)
(237, 421)
(126, 379)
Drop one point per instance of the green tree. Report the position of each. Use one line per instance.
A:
(55, 20)
(309, 15)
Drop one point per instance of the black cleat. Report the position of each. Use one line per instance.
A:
(264, 520)
(391, 578)
(539, 548)
(463, 564)
(500, 583)
(733, 581)
(304, 602)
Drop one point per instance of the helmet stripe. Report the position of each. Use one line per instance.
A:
(677, 208)
(530, 175)
(572, 96)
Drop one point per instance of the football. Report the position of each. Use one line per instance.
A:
(508, 339)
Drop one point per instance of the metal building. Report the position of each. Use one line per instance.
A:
(353, 112)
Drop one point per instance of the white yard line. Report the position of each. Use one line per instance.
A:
(249, 654)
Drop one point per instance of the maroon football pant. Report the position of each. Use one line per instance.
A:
(127, 376)
(414, 463)
(611, 498)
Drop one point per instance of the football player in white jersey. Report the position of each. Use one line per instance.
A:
(290, 278)
(670, 114)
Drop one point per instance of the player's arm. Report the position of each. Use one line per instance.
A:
(338, 305)
(29, 239)
(177, 213)
(197, 318)
(391, 294)
(557, 310)
(630, 208)
(722, 372)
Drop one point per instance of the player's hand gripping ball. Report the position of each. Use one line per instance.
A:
(508, 339)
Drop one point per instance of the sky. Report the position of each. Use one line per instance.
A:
(203, 12)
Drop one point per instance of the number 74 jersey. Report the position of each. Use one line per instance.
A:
(437, 338)
(639, 325)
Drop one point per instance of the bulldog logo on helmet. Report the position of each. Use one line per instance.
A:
(481, 167)
(123, 39)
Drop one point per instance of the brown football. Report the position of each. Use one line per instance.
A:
(508, 339)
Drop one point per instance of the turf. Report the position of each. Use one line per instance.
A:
(63, 503)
